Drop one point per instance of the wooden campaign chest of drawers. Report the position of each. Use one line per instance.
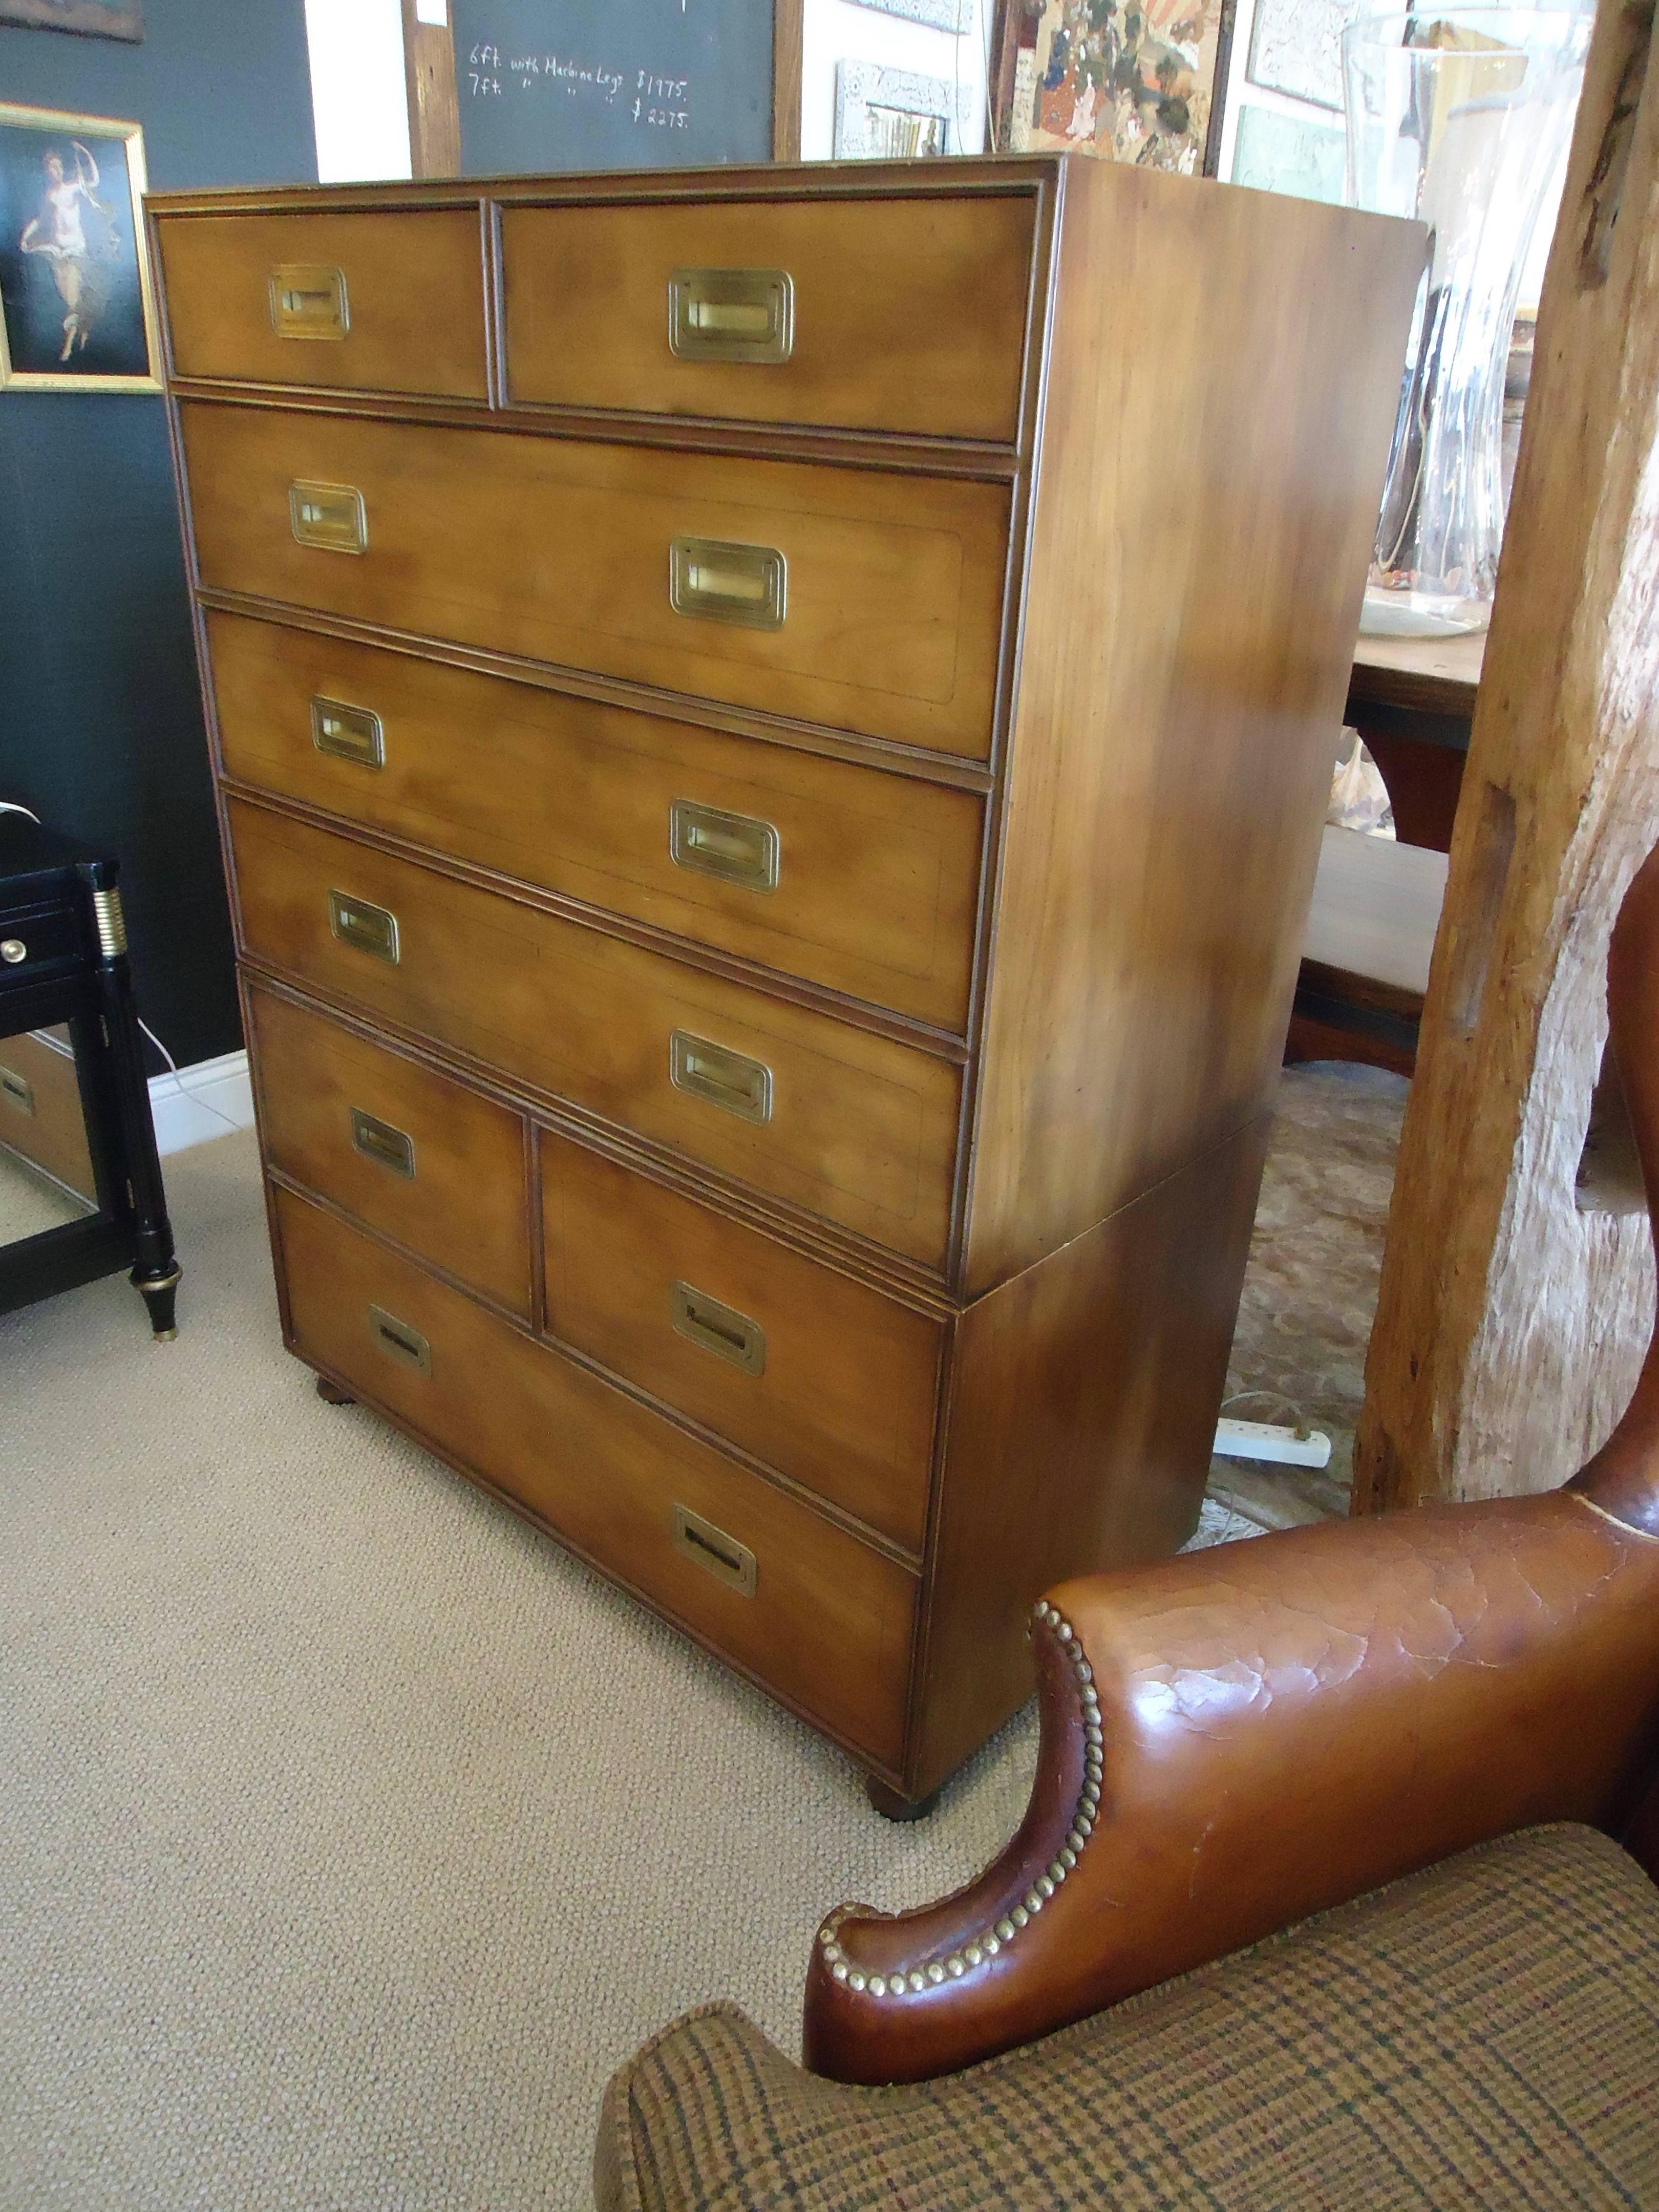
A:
(772, 729)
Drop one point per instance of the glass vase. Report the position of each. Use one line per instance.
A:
(1461, 120)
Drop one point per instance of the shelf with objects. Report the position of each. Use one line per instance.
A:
(1377, 902)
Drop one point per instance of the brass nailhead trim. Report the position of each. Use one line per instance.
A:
(990, 1940)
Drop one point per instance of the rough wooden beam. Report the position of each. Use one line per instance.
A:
(434, 108)
(787, 22)
(1513, 1319)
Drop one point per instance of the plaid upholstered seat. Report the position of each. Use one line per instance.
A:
(1483, 2034)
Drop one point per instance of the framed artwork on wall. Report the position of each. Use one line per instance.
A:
(1139, 81)
(890, 115)
(93, 19)
(955, 15)
(77, 309)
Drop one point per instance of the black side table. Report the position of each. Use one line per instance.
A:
(64, 960)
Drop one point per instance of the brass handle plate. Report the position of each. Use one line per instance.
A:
(719, 1329)
(398, 1337)
(728, 1079)
(351, 733)
(308, 301)
(732, 314)
(328, 516)
(13, 951)
(378, 1141)
(16, 1090)
(712, 580)
(738, 848)
(720, 1555)
(365, 928)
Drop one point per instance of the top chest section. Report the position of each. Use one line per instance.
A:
(899, 314)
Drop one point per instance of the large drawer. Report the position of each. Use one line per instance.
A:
(864, 600)
(848, 1124)
(415, 1155)
(384, 302)
(826, 1621)
(860, 880)
(877, 314)
(827, 1380)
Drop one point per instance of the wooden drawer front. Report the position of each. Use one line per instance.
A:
(823, 1378)
(876, 875)
(41, 1115)
(412, 283)
(562, 552)
(828, 1623)
(414, 1155)
(902, 314)
(861, 1130)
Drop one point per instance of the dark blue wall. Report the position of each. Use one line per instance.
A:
(100, 722)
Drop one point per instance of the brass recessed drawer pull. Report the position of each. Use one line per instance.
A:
(718, 1328)
(308, 301)
(398, 1337)
(378, 1141)
(328, 516)
(365, 928)
(730, 1080)
(722, 1556)
(17, 1091)
(738, 848)
(713, 581)
(732, 314)
(349, 733)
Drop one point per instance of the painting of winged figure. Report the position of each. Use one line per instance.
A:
(74, 281)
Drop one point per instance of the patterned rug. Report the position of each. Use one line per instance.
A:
(1310, 1290)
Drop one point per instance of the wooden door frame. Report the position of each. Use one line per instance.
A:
(434, 107)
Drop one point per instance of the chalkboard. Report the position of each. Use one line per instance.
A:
(611, 84)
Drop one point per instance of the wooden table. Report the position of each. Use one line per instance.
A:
(1412, 701)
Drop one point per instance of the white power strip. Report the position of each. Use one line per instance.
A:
(1262, 1440)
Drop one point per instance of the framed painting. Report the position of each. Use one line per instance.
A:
(93, 19)
(1140, 80)
(77, 309)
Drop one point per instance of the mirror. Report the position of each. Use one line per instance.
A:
(47, 1172)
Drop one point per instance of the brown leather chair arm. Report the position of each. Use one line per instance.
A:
(1235, 1739)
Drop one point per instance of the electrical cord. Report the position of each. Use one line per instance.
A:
(195, 1098)
(1301, 1427)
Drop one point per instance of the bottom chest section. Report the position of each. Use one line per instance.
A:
(733, 1430)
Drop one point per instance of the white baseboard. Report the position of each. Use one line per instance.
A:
(207, 1100)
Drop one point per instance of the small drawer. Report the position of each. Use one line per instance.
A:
(904, 314)
(823, 1377)
(37, 942)
(391, 301)
(415, 1155)
(855, 879)
(820, 1619)
(856, 1127)
(863, 600)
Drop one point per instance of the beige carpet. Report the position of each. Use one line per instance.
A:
(349, 1833)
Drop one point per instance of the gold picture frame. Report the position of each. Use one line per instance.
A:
(77, 298)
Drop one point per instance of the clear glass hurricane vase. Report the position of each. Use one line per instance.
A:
(1460, 119)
